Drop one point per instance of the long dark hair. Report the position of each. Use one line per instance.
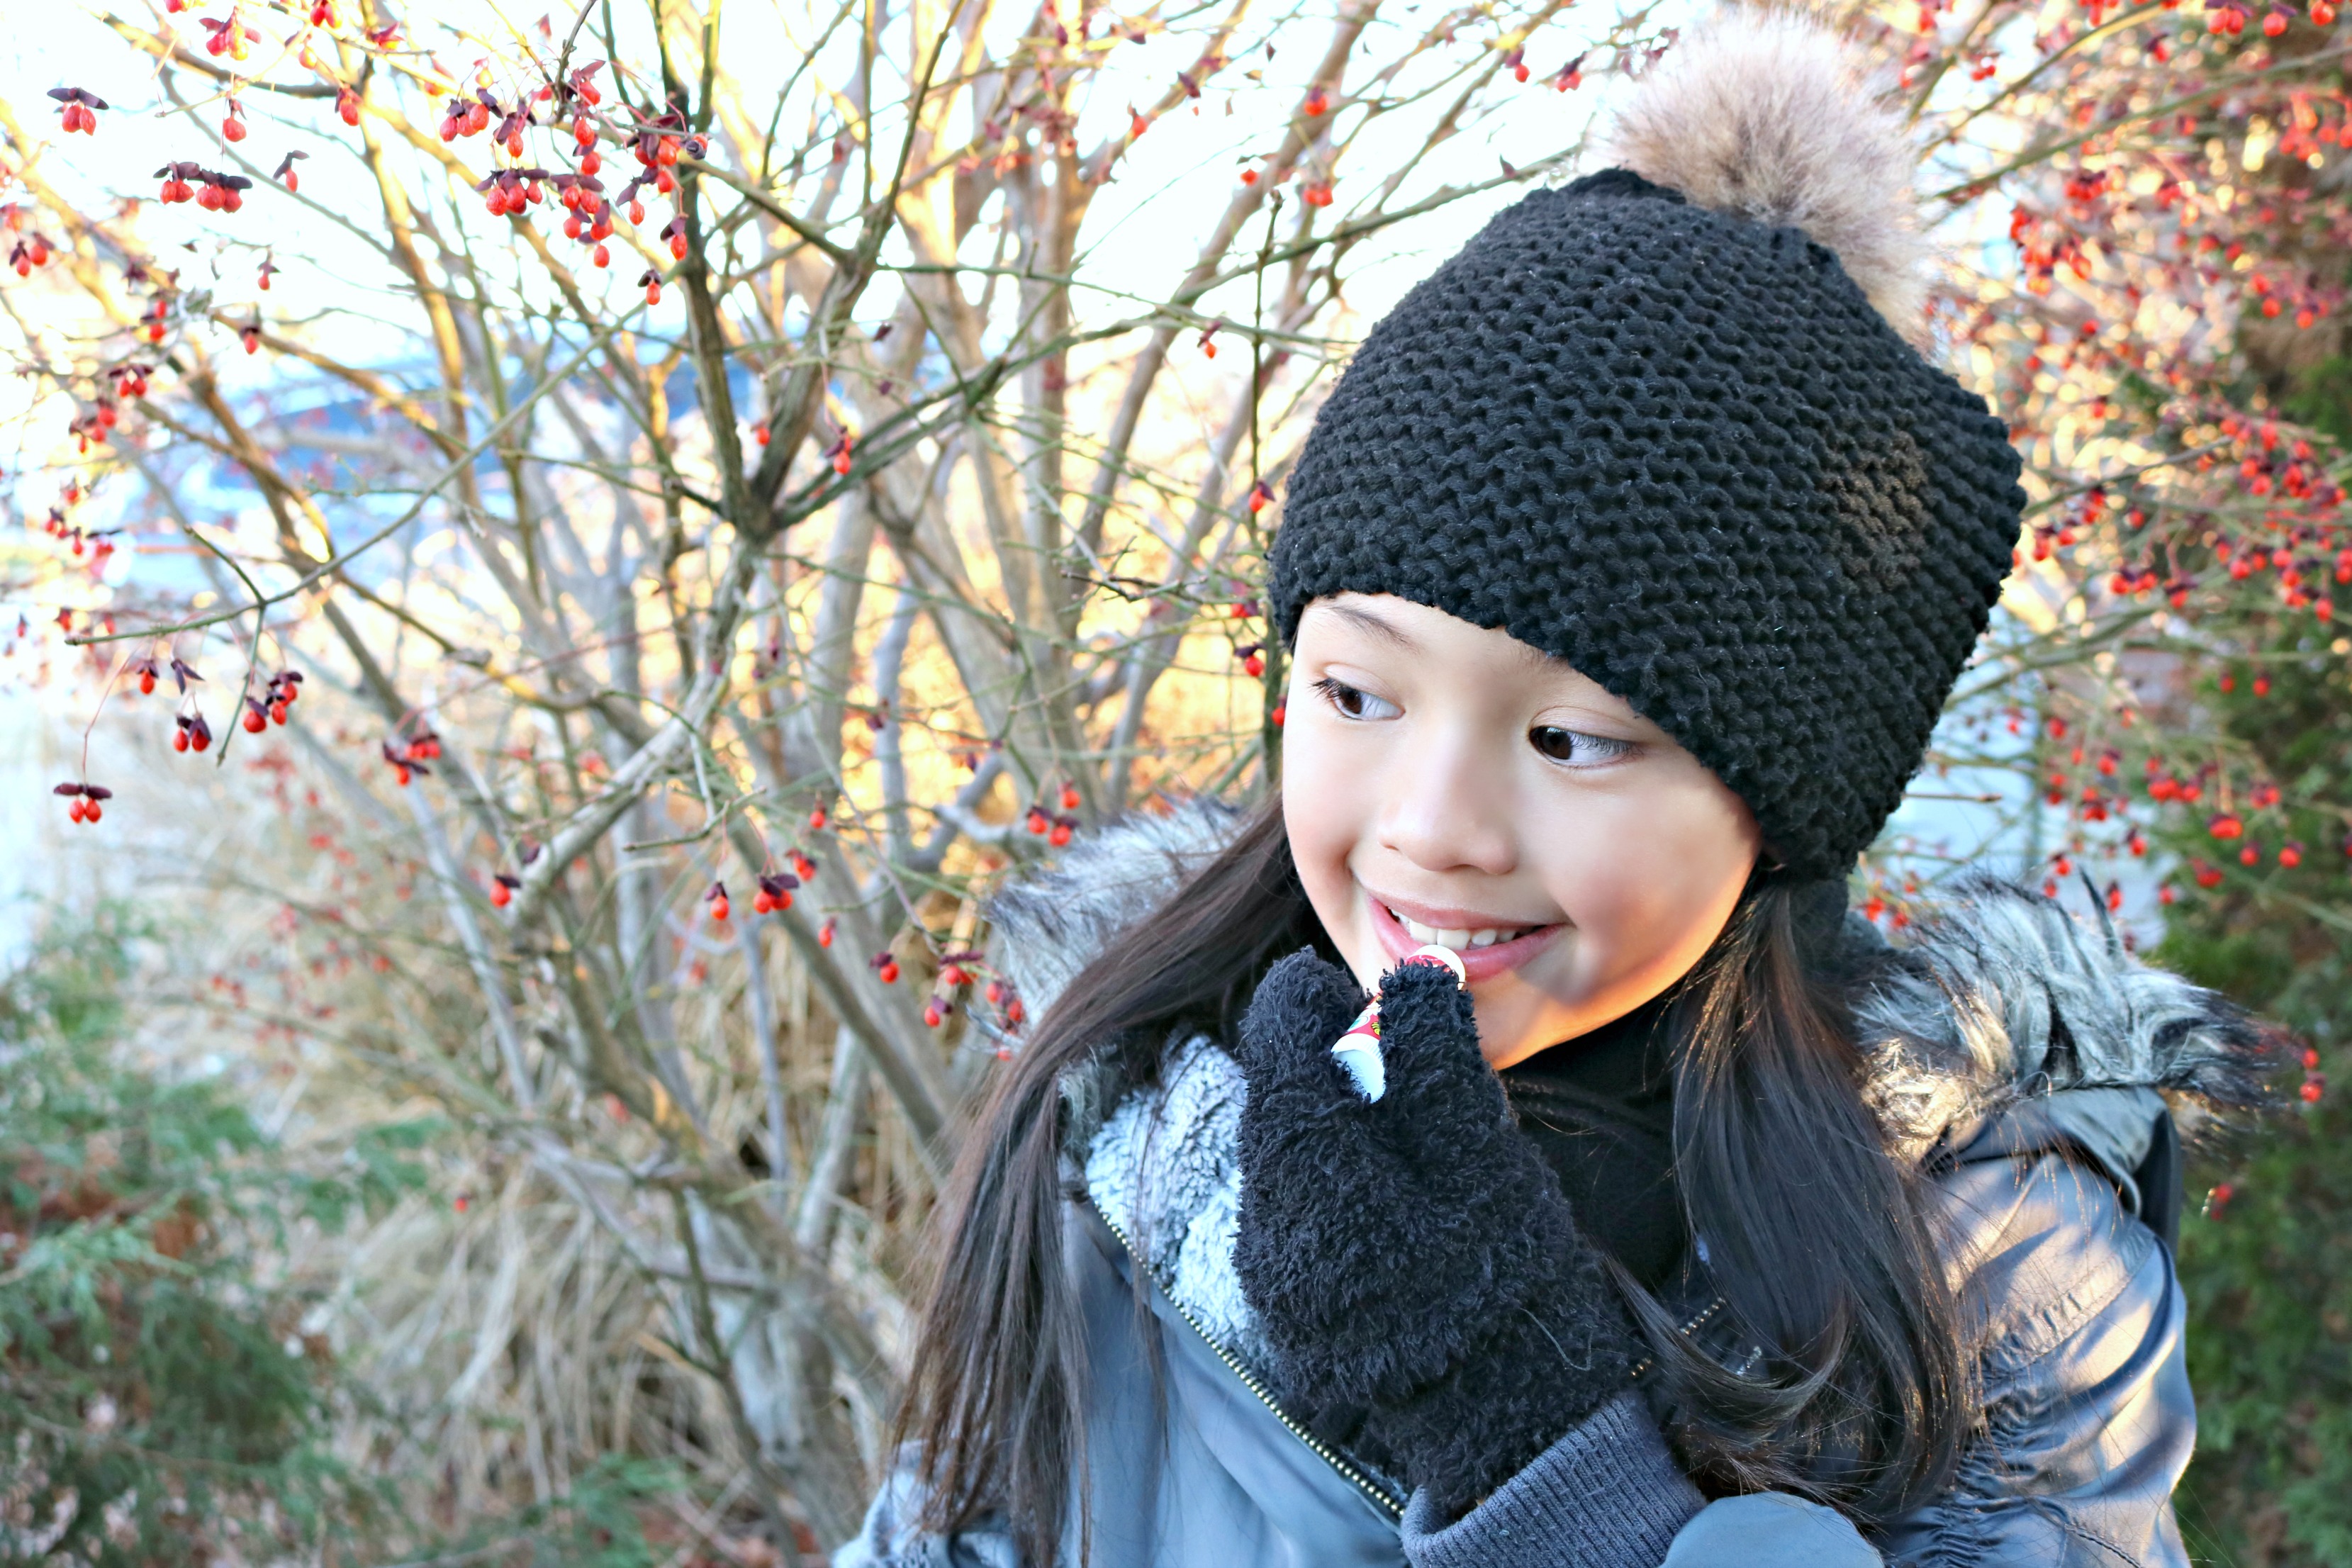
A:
(1818, 1241)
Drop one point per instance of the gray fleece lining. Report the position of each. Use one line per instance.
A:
(1164, 1170)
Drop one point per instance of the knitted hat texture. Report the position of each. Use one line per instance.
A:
(1680, 450)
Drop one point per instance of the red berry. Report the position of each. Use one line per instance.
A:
(501, 895)
(889, 971)
(92, 812)
(146, 686)
(255, 722)
(1060, 836)
(718, 907)
(824, 935)
(995, 992)
(1069, 797)
(179, 740)
(1015, 1012)
(74, 808)
(931, 1014)
(816, 820)
(2291, 855)
(2312, 1089)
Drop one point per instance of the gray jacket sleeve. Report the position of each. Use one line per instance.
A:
(1608, 1495)
(2088, 1421)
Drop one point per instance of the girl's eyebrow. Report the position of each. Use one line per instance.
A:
(1378, 626)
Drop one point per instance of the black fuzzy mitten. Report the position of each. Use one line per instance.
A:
(1413, 1256)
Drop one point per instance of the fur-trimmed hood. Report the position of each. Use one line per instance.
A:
(2000, 1003)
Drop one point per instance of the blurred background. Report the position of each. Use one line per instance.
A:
(549, 559)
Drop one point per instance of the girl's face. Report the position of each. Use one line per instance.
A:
(1445, 782)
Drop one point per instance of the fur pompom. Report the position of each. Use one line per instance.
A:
(1765, 114)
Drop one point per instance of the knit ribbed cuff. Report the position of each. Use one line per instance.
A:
(1608, 1495)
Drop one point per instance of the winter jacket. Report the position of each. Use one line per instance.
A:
(2027, 1066)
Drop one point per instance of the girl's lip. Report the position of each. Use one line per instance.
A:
(1479, 962)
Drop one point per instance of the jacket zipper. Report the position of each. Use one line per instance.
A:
(1378, 1494)
(1688, 1328)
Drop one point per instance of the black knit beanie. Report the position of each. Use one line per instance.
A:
(1680, 448)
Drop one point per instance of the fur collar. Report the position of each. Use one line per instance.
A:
(1999, 1015)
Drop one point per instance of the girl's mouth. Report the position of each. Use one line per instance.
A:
(1486, 951)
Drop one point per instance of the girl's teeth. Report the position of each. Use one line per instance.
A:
(1456, 939)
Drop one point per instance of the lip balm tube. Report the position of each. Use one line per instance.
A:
(1357, 1051)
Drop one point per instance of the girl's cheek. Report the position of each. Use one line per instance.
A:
(1323, 813)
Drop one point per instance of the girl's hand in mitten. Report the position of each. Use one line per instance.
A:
(1413, 1256)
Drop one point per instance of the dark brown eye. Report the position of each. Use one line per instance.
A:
(1575, 747)
(1352, 703)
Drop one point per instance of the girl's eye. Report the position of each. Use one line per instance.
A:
(1352, 703)
(1576, 747)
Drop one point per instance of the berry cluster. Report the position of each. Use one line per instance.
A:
(408, 754)
(84, 798)
(208, 188)
(80, 110)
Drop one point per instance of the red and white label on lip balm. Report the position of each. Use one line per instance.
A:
(1357, 1051)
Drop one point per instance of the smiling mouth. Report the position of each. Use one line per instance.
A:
(1459, 940)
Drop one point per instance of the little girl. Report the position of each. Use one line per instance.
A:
(1681, 1221)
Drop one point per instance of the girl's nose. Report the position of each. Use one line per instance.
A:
(1446, 807)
